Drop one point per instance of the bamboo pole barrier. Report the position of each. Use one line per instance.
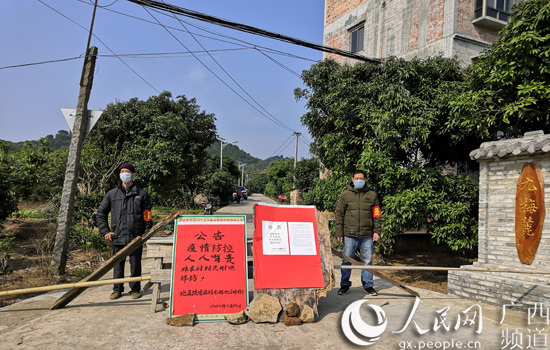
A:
(74, 285)
(436, 268)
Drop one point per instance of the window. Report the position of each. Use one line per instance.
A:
(498, 9)
(357, 36)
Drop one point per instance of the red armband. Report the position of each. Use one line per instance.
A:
(147, 215)
(376, 213)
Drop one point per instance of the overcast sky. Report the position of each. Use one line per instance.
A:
(31, 96)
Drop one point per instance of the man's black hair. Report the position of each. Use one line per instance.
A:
(359, 172)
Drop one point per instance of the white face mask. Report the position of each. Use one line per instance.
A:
(126, 177)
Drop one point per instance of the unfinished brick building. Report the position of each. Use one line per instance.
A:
(459, 29)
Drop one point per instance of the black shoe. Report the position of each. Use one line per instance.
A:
(371, 291)
(343, 290)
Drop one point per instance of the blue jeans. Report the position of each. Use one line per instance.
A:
(366, 249)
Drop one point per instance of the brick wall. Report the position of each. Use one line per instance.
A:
(464, 26)
(496, 230)
(406, 28)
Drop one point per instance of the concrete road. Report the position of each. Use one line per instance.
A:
(92, 321)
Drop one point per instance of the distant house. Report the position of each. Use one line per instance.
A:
(459, 29)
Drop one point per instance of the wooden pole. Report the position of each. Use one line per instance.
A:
(435, 268)
(375, 273)
(73, 285)
(115, 259)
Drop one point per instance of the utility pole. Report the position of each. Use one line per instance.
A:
(296, 156)
(222, 145)
(66, 208)
(240, 180)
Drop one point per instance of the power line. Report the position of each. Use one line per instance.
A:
(306, 145)
(280, 123)
(101, 41)
(249, 45)
(43, 62)
(216, 75)
(176, 54)
(284, 142)
(279, 64)
(249, 29)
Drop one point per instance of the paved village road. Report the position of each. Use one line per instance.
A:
(92, 321)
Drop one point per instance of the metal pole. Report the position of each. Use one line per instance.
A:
(295, 157)
(435, 268)
(242, 176)
(221, 153)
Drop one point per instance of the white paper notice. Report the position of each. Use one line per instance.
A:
(302, 238)
(275, 238)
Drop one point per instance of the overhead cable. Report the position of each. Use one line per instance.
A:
(283, 144)
(43, 62)
(245, 43)
(216, 75)
(249, 29)
(273, 118)
(101, 41)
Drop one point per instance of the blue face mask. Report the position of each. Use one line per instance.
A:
(359, 184)
(126, 177)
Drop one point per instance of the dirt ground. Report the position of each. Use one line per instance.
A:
(30, 261)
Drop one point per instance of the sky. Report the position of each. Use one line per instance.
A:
(31, 96)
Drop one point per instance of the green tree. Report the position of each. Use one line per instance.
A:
(214, 179)
(391, 121)
(166, 139)
(257, 180)
(38, 171)
(8, 202)
(280, 178)
(306, 172)
(508, 87)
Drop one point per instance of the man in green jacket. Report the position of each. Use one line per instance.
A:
(358, 223)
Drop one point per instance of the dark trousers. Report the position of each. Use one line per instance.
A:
(135, 269)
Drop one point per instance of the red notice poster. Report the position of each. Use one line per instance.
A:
(286, 247)
(209, 274)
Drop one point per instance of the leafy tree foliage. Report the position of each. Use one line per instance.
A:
(508, 88)
(215, 179)
(257, 181)
(391, 121)
(165, 139)
(306, 172)
(283, 178)
(8, 202)
(280, 178)
(38, 171)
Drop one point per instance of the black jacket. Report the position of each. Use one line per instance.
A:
(130, 214)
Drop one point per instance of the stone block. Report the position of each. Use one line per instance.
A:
(264, 308)
(237, 318)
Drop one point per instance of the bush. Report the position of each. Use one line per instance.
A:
(84, 238)
(30, 214)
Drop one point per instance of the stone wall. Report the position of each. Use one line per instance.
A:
(406, 28)
(501, 163)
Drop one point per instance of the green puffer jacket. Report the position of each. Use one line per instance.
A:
(358, 213)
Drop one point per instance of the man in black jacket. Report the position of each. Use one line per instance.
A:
(130, 208)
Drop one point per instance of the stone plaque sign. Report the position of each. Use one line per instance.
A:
(530, 211)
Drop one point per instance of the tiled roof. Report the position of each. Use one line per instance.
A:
(532, 142)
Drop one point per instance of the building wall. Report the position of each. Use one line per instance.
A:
(407, 28)
(497, 237)
(499, 174)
